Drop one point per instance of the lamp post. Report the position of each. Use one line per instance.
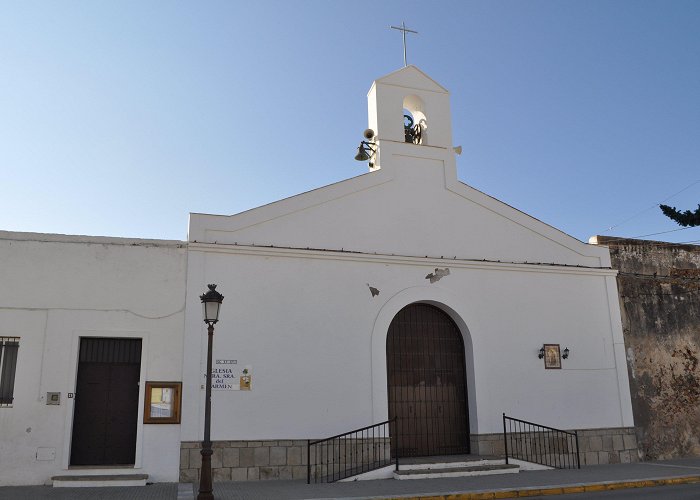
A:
(211, 302)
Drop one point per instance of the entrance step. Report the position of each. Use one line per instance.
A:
(99, 480)
(453, 466)
(475, 470)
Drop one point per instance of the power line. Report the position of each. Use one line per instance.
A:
(652, 206)
(662, 232)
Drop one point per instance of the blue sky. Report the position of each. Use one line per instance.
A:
(120, 118)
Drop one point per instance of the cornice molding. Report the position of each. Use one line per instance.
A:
(351, 256)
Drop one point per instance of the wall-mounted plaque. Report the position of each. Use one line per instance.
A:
(552, 356)
(231, 376)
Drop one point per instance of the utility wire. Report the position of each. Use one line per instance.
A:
(662, 232)
(652, 207)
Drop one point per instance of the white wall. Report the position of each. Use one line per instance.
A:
(307, 323)
(56, 289)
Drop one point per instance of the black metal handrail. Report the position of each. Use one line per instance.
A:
(540, 444)
(350, 453)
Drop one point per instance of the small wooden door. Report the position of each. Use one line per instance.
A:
(106, 402)
(426, 383)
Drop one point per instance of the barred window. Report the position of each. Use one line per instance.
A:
(8, 363)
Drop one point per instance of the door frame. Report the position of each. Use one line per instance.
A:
(450, 304)
(462, 377)
(73, 381)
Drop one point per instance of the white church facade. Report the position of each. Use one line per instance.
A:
(399, 294)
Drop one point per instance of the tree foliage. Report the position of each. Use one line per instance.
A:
(686, 219)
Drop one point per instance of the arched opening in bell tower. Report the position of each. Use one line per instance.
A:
(415, 120)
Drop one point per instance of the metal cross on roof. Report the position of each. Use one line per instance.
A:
(405, 30)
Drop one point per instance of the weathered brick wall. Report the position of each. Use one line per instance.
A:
(659, 287)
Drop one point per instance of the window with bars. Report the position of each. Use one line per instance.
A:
(8, 364)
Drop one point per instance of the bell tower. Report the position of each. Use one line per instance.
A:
(410, 115)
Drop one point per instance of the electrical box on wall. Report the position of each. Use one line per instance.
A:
(53, 398)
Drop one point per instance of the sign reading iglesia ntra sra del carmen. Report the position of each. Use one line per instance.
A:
(227, 375)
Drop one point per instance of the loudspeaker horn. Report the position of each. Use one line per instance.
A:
(368, 133)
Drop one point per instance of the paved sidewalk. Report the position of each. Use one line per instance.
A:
(628, 475)
(161, 491)
(593, 478)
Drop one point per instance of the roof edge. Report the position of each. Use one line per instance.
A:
(77, 238)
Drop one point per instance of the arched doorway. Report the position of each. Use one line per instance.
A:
(426, 383)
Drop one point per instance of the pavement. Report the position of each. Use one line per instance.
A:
(596, 478)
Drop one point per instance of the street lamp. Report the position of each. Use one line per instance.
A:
(211, 302)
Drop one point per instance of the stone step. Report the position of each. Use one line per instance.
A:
(99, 480)
(452, 471)
(451, 465)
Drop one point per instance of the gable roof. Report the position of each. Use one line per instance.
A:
(412, 77)
(381, 213)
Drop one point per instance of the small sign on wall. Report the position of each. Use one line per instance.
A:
(45, 454)
(227, 375)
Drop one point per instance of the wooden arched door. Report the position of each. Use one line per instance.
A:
(426, 383)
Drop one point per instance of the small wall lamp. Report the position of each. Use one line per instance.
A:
(541, 353)
(565, 354)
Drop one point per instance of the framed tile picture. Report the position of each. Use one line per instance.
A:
(552, 356)
(162, 403)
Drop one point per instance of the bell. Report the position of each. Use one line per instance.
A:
(361, 153)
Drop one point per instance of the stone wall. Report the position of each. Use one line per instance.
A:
(262, 460)
(659, 292)
(597, 446)
(246, 460)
